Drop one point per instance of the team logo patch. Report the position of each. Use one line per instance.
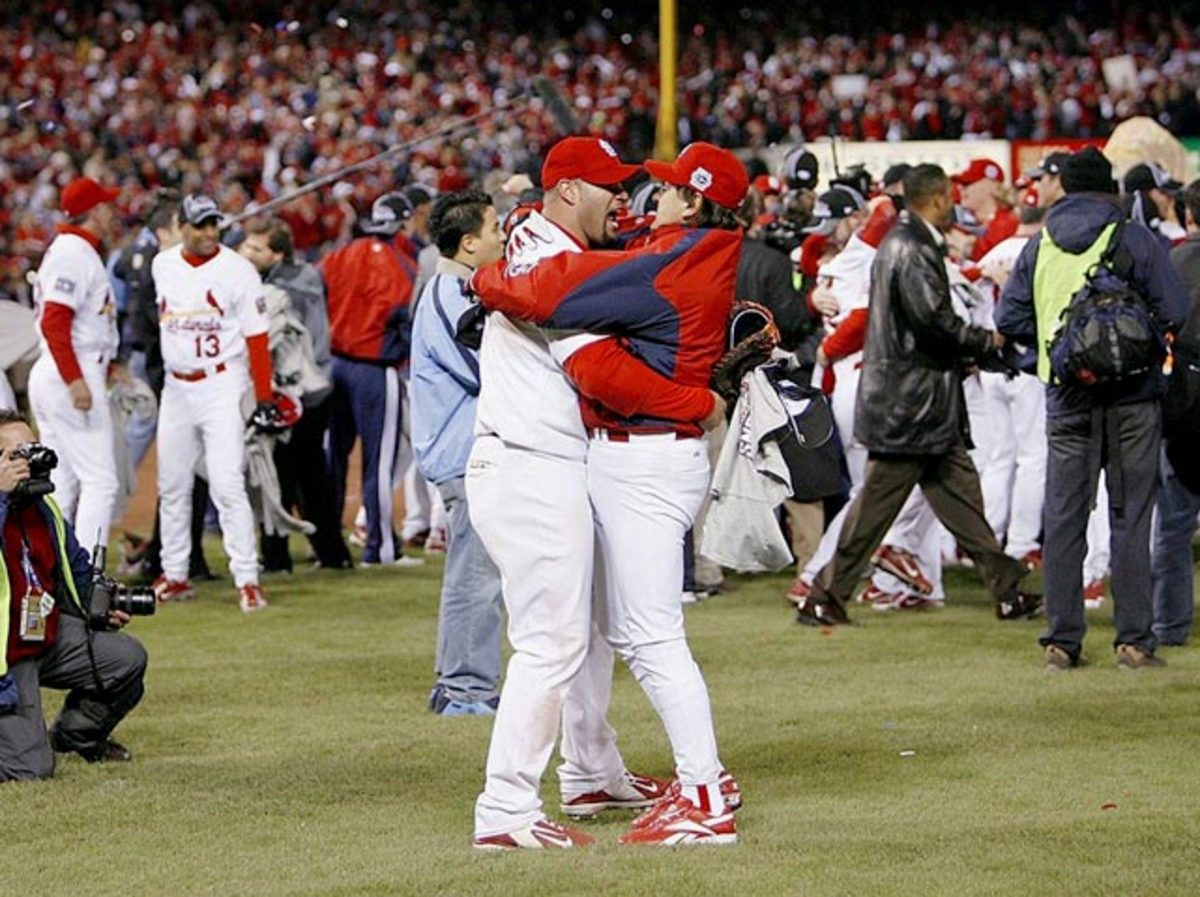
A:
(607, 147)
(993, 173)
(212, 302)
(260, 303)
(64, 285)
(701, 179)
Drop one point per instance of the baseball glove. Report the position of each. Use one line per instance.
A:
(752, 337)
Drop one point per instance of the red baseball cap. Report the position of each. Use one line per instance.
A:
(84, 194)
(590, 159)
(1030, 196)
(768, 185)
(978, 170)
(714, 173)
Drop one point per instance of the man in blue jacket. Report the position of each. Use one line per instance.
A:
(1117, 425)
(445, 390)
(45, 588)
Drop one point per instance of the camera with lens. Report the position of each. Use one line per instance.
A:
(109, 595)
(41, 460)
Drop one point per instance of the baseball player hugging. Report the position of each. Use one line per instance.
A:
(213, 322)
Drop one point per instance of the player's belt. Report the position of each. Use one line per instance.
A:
(193, 376)
(606, 434)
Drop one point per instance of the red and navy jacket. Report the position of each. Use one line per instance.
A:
(369, 286)
(667, 301)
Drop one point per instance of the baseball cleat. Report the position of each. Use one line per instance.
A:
(540, 835)
(630, 792)
(902, 565)
(172, 589)
(1093, 594)
(436, 543)
(1032, 560)
(730, 790)
(677, 822)
(905, 601)
(873, 594)
(798, 592)
(251, 598)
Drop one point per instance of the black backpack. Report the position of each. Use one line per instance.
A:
(809, 440)
(1108, 332)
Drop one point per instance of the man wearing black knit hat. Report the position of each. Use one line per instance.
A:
(1115, 424)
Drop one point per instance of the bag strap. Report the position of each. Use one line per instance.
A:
(1116, 258)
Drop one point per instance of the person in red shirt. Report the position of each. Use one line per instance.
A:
(982, 183)
(45, 581)
(369, 290)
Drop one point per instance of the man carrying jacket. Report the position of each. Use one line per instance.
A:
(911, 415)
(45, 582)
(1117, 426)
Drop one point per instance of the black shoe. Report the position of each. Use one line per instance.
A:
(107, 751)
(1021, 607)
(812, 612)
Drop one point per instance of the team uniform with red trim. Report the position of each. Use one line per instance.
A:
(77, 326)
(212, 317)
(646, 474)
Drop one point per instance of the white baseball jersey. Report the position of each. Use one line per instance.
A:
(206, 310)
(848, 276)
(72, 274)
(524, 396)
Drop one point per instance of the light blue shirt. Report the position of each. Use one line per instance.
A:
(444, 377)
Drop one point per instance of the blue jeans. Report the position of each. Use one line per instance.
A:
(469, 621)
(1171, 566)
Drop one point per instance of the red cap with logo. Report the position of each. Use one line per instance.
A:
(978, 170)
(590, 159)
(714, 173)
(84, 194)
(768, 185)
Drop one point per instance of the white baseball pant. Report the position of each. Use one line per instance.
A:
(1099, 534)
(85, 480)
(646, 493)
(532, 513)
(1014, 478)
(205, 416)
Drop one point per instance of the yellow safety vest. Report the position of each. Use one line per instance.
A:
(1057, 276)
(60, 535)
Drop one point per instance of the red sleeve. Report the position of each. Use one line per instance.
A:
(1002, 226)
(534, 293)
(848, 337)
(56, 328)
(810, 254)
(606, 372)
(879, 225)
(260, 366)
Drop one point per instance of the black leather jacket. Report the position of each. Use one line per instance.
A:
(910, 397)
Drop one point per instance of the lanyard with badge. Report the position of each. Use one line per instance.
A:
(37, 603)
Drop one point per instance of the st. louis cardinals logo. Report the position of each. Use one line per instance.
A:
(212, 301)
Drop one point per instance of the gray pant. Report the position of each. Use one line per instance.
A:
(1076, 454)
(469, 621)
(88, 716)
(951, 485)
(1171, 563)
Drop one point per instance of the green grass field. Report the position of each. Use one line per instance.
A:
(291, 753)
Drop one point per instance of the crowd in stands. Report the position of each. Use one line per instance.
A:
(234, 102)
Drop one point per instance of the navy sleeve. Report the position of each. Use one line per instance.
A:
(1156, 278)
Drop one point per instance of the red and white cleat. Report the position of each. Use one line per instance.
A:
(436, 543)
(1093, 594)
(251, 598)
(172, 589)
(872, 594)
(906, 601)
(798, 592)
(677, 822)
(630, 792)
(902, 565)
(540, 835)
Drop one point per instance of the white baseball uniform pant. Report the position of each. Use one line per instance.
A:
(85, 481)
(646, 493)
(205, 416)
(1014, 477)
(533, 516)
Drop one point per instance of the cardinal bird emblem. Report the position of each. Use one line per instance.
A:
(212, 301)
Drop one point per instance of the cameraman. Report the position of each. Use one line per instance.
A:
(45, 585)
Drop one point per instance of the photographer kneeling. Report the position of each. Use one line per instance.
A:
(45, 596)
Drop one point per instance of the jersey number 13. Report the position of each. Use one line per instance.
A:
(208, 345)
